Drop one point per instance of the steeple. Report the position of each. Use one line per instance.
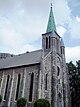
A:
(51, 22)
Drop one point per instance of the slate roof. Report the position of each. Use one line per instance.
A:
(5, 55)
(33, 57)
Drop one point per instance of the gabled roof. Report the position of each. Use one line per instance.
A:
(33, 57)
(51, 22)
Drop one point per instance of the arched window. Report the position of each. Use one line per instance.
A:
(6, 89)
(18, 86)
(58, 71)
(57, 44)
(46, 43)
(49, 42)
(59, 95)
(62, 50)
(31, 87)
(46, 81)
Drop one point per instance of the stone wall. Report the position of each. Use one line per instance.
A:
(25, 88)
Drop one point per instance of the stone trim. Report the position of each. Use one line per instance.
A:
(11, 89)
(4, 88)
(24, 81)
(1, 82)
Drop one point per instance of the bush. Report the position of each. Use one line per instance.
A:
(21, 102)
(0, 98)
(42, 103)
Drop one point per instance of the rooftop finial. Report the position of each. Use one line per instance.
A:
(51, 5)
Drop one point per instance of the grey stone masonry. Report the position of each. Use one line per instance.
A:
(11, 93)
(53, 64)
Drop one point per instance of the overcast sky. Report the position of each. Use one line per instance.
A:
(23, 21)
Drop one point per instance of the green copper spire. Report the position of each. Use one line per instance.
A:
(51, 22)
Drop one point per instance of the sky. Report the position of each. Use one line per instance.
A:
(22, 23)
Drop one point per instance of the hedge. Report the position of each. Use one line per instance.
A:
(21, 102)
(41, 103)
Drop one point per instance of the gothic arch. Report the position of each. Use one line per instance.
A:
(7, 84)
(58, 71)
(46, 42)
(18, 86)
(31, 86)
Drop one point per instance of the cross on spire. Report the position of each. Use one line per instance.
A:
(51, 5)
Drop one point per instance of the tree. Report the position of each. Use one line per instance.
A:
(78, 67)
(21, 102)
(78, 82)
(42, 103)
(74, 77)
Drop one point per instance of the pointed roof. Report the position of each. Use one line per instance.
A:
(51, 22)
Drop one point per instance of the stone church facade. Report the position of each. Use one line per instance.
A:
(37, 74)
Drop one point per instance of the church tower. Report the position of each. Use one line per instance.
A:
(53, 59)
(50, 33)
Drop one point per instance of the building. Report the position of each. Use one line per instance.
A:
(38, 74)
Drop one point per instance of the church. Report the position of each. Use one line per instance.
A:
(37, 74)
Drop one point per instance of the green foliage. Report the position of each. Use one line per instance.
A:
(42, 103)
(21, 102)
(74, 77)
(78, 66)
(0, 98)
(71, 67)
